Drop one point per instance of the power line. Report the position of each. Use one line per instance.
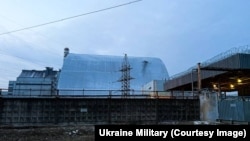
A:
(20, 58)
(84, 14)
(11, 20)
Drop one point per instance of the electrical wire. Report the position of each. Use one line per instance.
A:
(22, 59)
(37, 33)
(76, 16)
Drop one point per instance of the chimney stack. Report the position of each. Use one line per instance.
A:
(66, 52)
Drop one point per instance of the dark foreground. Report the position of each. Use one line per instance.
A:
(67, 133)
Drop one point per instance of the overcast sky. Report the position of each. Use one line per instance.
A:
(180, 32)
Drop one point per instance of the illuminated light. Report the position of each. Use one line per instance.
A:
(231, 86)
(239, 80)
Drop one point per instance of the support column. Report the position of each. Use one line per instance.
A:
(199, 77)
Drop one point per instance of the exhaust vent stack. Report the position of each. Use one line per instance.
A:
(66, 52)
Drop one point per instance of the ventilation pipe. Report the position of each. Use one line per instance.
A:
(66, 52)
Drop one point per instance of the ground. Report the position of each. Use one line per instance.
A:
(59, 133)
(65, 133)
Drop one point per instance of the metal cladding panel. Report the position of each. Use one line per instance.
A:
(101, 72)
(244, 61)
(234, 61)
(246, 105)
(231, 110)
(231, 62)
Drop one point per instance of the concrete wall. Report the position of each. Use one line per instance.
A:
(40, 111)
(209, 106)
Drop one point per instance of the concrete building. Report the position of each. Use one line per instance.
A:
(35, 83)
(155, 89)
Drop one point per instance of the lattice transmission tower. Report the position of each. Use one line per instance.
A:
(125, 78)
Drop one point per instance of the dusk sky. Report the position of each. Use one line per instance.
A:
(33, 34)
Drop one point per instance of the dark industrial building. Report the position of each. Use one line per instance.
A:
(217, 79)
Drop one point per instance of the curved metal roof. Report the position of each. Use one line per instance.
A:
(101, 72)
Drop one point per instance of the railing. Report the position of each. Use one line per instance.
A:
(69, 93)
